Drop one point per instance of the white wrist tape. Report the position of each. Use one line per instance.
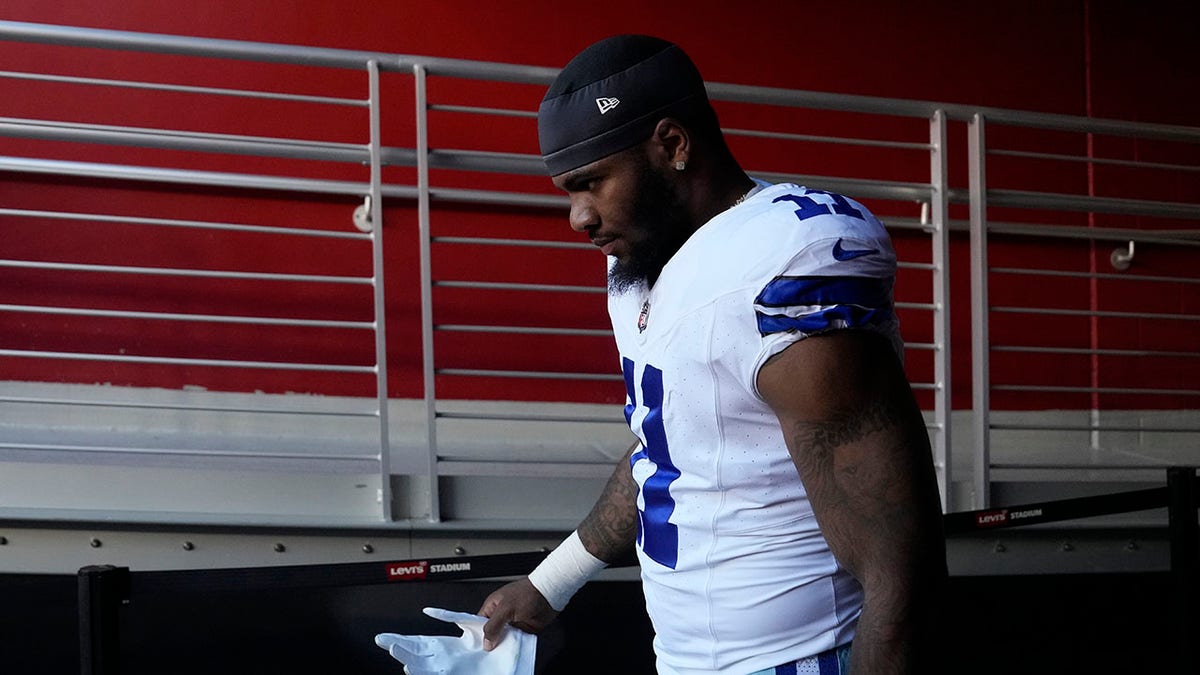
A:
(565, 571)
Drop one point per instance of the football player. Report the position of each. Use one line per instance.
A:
(781, 494)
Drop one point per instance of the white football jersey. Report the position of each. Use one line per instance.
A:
(737, 575)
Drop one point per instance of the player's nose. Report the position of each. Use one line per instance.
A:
(583, 214)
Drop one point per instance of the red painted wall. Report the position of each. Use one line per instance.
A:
(1106, 59)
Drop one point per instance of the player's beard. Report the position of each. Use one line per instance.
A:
(657, 212)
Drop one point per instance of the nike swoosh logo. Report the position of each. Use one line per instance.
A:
(843, 255)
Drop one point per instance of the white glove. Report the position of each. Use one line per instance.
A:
(464, 655)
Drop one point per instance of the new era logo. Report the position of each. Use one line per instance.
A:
(606, 104)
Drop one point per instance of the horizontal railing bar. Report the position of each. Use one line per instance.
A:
(478, 110)
(479, 160)
(192, 273)
(502, 286)
(1113, 205)
(188, 89)
(1091, 427)
(180, 452)
(394, 156)
(1094, 352)
(1095, 390)
(172, 361)
(541, 375)
(522, 330)
(170, 139)
(492, 241)
(926, 109)
(925, 346)
(261, 51)
(916, 266)
(197, 318)
(149, 174)
(183, 407)
(917, 305)
(1094, 125)
(835, 140)
(926, 386)
(1094, 160)
(495, 197)
(530, 417)
(261, 182)
(824, 101)
(1171, 237)
(1098, 313)
(195, 224)
(1093, 275)
(471, 70)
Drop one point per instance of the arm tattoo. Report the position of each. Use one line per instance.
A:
(819, 439)
(610, 529)
(839, 462)
(814, 443)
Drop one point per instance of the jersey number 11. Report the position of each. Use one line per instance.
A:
(658, 537)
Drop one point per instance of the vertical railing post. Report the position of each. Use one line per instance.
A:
(980, 380)
(102, 591)
(1185, 565)
(426, 237)
(942, 402)
(377, 286)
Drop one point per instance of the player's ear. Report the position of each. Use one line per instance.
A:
(670, 144)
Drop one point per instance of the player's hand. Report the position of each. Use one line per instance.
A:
(518, 604)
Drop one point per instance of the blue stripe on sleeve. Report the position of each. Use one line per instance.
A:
(792, 291)
(838, 316)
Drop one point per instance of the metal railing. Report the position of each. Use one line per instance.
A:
(1103, 295)
(435, 185)
(247, 280)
